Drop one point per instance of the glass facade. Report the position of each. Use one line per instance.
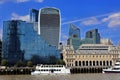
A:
(49, 25)
(34, 15)
(92, 37)
(34, 18)
(22, 42)
(74, 31)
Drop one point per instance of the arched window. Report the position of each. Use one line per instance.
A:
(93, 63)
(100, 63)
(90, 62)
(110, 63)
(107, 63)
(103, 63)
(97, 63)
(76, 64)
(83, 63)
(86, 63)
(79, 63)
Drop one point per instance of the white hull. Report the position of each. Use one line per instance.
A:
(113, 69)
(110, 71)
(51, 70)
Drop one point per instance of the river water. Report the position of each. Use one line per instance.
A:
(97, 76)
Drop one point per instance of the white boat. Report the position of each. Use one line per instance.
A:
(113, 69)
(50, 69)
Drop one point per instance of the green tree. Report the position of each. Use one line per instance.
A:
(19, 64)
(4, 62)
(61, 62)
(29, 64)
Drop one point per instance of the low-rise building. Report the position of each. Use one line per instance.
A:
(91, 56)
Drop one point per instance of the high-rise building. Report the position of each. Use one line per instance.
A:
(11, 42)
(34, 15)
(74, 31)
(22, 42)
(49, 25)
(74, 37)
(34, 18)
(94, 35)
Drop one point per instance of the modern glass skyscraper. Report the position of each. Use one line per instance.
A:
(74, 37)
(34, 18)
(22, 42)
(94, 35)
(11, 42)
(74, 31)
(34, 15)
(49, 25)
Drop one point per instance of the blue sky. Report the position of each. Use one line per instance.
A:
(85, 14)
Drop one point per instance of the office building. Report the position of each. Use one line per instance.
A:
(34, 18)
(34, 15)
(74, 32)
(49, 25)
(22, 42)
(74, 36)
(94, 35)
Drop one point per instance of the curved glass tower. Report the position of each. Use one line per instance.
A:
(49, 25)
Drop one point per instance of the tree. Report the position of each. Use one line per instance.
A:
(61, 62)
(4, 62)
(19, 64)
(29, 64)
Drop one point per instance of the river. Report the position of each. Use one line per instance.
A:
(95, 76)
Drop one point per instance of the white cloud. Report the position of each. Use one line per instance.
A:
(87, 18)
(109, 19)
(113, 20)
(90, 21)
(18, 17)
(19, 1)
(39, 1)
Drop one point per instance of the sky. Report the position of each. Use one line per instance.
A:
(85, 14)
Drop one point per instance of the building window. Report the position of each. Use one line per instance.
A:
(93, 63)
(86, 63)
(83, 63)
(103, 63)
(107, 63)
(79, 63)
(110, 63)
(76, 64)
(90, 62)
(97, 63)
(100, 63)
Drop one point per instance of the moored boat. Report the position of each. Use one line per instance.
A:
(113, 69)
(50, 69)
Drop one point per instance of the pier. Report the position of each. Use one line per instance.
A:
(16, 70)
(75, 70)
